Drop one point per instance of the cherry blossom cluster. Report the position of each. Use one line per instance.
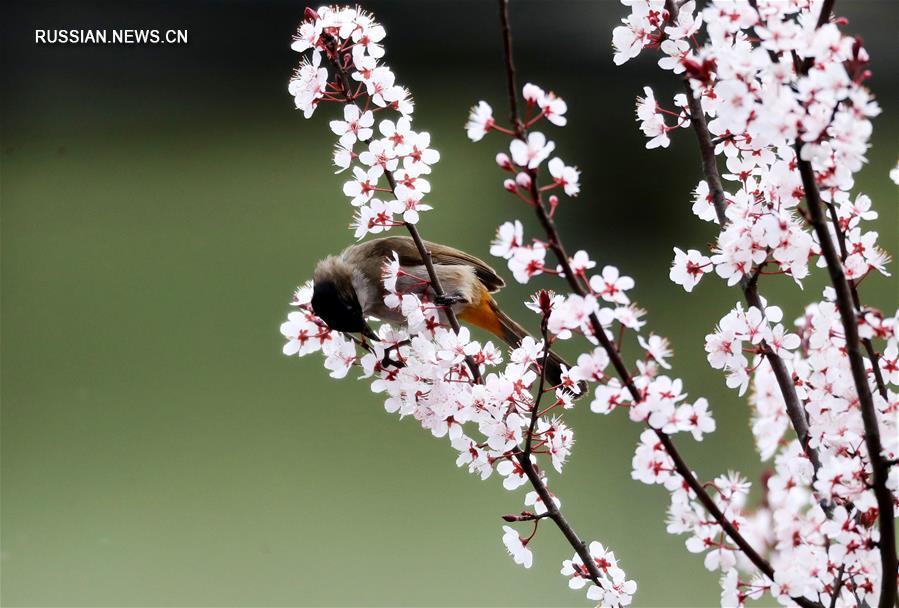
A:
(779, 87)
(603, 299)
(420, 369)
(389, 161)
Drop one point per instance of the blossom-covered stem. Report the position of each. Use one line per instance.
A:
(524, 460)
(838, 586)
(579, 546)
(722, 520)
(869, 349)
(546, 222)
(555, 243)
(423, 252)
(848, 304)
(435, 282)
(849, 318)
(749, 286)
(856, 302)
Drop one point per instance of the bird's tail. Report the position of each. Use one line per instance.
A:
(489, 316)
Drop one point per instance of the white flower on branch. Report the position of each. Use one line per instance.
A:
(531, 153)
(517, 548)
(480, 120)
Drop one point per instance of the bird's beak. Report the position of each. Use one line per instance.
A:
(369, 333)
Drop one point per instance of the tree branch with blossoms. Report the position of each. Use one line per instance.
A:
(794, 120)
(849, 305)
(480, 122)
(421, 366)
(340, 55)
(749, 282)
(775, 88)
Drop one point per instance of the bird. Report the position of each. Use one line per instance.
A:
(349, 287)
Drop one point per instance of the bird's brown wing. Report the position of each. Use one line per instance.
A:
(405, 247)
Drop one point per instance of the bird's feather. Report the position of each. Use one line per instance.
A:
(408, 254)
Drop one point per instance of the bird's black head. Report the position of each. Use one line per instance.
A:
(339, 308)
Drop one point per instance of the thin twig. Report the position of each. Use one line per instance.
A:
(579, 546)
(836, 589)
(529, 438)
(524, 459)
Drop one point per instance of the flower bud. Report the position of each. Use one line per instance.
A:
(503, 160)
(546, 302)
(510, 185)
(553, 203)
(523, 516)
(523, 180)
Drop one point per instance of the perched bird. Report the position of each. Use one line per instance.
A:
(348, 287)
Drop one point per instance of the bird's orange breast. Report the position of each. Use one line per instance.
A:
(483, 315)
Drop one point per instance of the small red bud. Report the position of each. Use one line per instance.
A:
(546, 303)
(700, 71)
(309, 14)
(510, 518)
(869, 517)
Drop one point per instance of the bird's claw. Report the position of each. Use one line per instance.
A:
(448, 300)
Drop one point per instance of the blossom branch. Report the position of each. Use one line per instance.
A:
(428, 378)
(799, 103)
(334, 57)
(848, 303)
(555, 243)
(555, 514)
(749, 285)
(535, 413)
(879, 464)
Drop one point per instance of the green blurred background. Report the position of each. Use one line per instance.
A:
(159, 204)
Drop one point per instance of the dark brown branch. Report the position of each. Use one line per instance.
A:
(795, 411)
(579, 546)
(856, 301)
(836, 589)
(555, 243)
(529, 438)
(848, 304)
(524, 458)
(848, 316)
(826, 10)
